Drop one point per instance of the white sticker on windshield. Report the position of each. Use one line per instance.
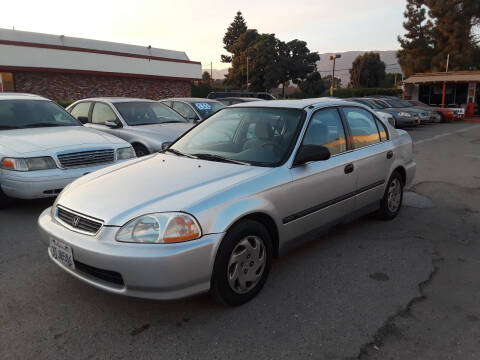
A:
(203, 106)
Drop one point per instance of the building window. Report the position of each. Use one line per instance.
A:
(6, 82)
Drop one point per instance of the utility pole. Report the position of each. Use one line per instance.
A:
(444, 89)
(247, 72)
(333, 57)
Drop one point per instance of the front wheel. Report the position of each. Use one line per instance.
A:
(140, 150)
(392, 199)
(242, 263)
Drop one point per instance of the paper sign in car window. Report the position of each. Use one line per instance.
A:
(203, 106)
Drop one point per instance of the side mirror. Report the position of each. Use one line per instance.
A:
(308, 153)
(113, 124)
(83, 119)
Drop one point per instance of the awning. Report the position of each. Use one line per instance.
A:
(440, 77)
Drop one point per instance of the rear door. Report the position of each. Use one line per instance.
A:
(323, 191)
(371, 156)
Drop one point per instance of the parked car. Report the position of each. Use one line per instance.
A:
(240, 93)
(243, 186)
(402, 117)
(146, 124)
(425, 115)
(43, 148)
(387, 117)
(446, 114)
(236, 100)
(193, 109)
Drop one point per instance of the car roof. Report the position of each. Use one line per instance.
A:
(20, 96)
(189, 99)
(113, 99)
(240, 98)
(296, 104)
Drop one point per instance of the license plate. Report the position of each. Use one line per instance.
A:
(62, 253)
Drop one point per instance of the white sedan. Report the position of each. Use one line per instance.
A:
(43, 148)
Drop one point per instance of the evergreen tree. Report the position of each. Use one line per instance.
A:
(417, 45)
(313, 85)
(367, 71)
(236, 28)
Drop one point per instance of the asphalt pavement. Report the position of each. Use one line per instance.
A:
(403, 289)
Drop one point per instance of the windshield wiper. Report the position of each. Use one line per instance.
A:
(179, 153)
(7, 127)
(42, 125)
(219, 158)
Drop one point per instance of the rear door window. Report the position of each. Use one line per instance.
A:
(362, 126)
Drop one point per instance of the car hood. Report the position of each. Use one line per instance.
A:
(156, 183)
(24, 141)
(168, 132)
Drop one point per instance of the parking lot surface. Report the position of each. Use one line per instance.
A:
(404, 289)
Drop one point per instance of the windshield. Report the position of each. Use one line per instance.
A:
(257, 136)
(147, 113)
(21, 114)
(397, 103)
(205, 108)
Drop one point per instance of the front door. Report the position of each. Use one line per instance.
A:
(322, 191)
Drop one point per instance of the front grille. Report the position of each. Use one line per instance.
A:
(105, 275)
(86, 158)
(79, 222)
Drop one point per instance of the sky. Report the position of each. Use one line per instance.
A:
(198, 27)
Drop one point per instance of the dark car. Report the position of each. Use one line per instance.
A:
(240, 93)
(402, 117)
(446, 114)
(425, 115)
(194, 109)
(236, 100)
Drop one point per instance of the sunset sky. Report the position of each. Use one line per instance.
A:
(197, 27)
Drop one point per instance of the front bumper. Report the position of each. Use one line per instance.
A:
(404, 121)
(154, 271)
(42, 184)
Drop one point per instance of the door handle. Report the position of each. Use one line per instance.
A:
(348, 168)
(389, 154)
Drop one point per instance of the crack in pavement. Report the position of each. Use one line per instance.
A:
(389, 328)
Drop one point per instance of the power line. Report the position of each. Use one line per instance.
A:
(386, 65)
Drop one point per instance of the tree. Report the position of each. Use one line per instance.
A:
(313, 85)
(417, 44)
(448, 30)
(327, 81)
(391, 79)
(236, 28)
(206, 76)
(367, 71)
(296, 61)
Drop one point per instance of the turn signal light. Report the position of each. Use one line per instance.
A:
(8, 164)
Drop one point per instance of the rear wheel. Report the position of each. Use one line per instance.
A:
(140, 150)
(5, 201)
(392, 199)
(242, 263)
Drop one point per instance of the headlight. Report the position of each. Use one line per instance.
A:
(125, 153)
(28, 164)
(160, 228)
(404, 114)
(54, 206)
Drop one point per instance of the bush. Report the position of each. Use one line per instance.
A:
(360, 92)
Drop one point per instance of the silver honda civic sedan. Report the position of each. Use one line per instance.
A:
(240, 188)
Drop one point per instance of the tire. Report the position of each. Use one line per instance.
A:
(140, 150)
(240, 270)
(5, 201)
(391, 202)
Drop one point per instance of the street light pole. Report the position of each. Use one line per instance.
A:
(247, 72)
(333, 57)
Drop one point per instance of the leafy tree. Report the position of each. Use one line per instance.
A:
(313, 85)
(417, 45)
(236, 28)
(296, 61)
(367, 71)
(327, 80)
(389, 81)
(206, 76)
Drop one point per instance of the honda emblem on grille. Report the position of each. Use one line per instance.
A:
(75, 221)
